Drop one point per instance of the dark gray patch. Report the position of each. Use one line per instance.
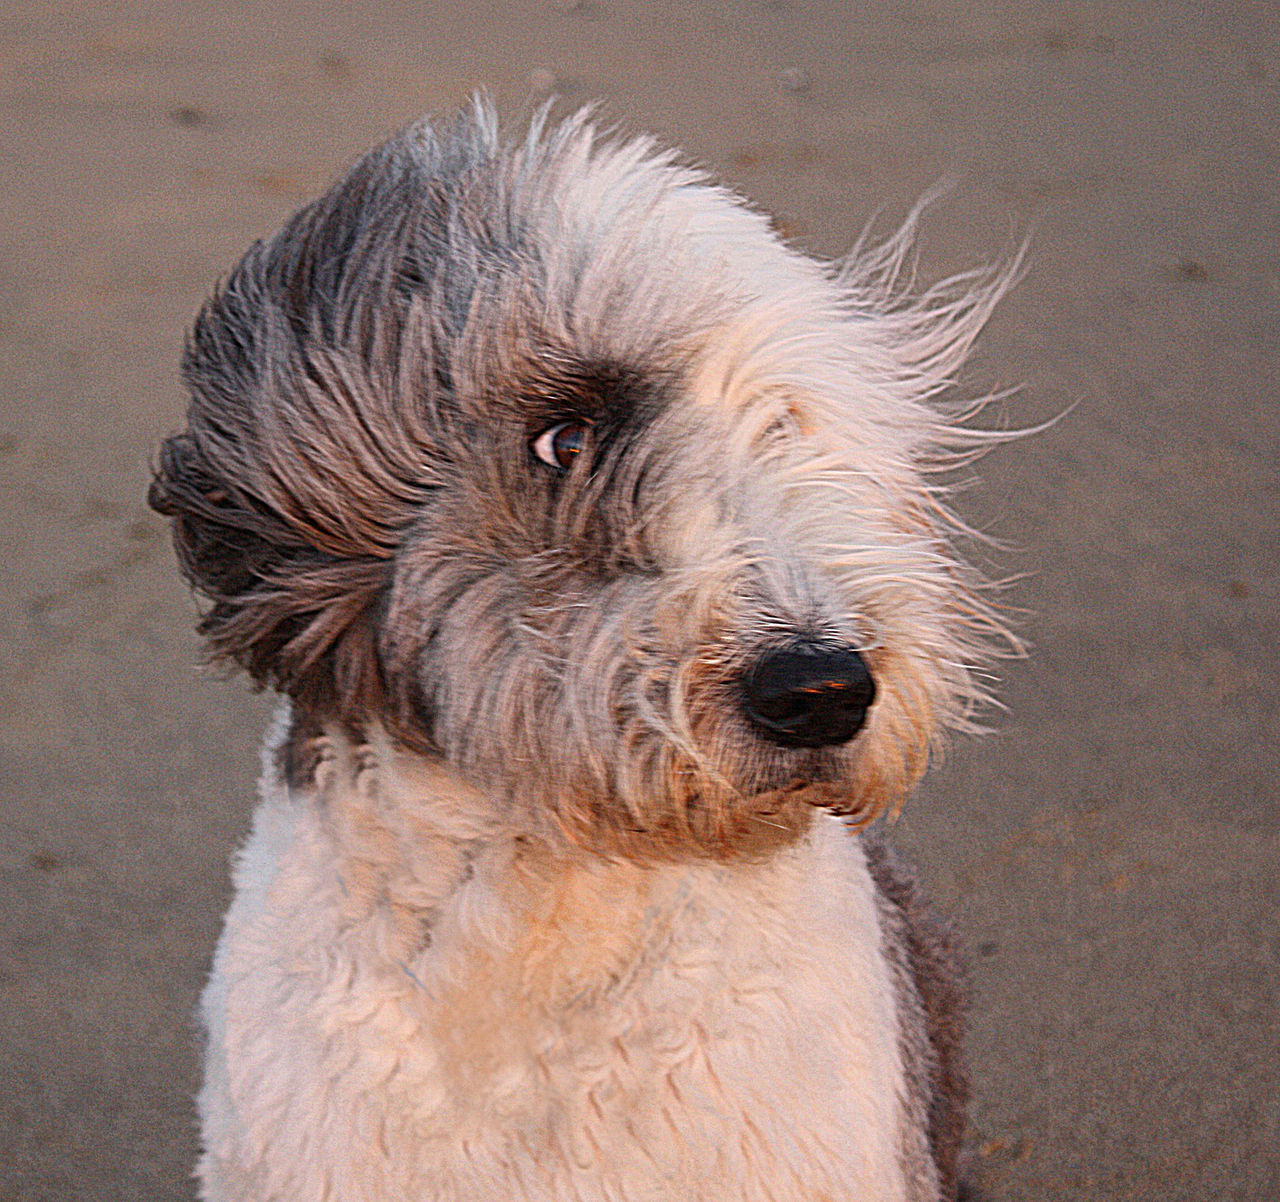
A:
(613, 397)
(301, 751)
(932, 998)
(188, 115)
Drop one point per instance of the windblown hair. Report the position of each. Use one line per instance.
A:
(356, 498)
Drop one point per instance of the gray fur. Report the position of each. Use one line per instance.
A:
(932, 995)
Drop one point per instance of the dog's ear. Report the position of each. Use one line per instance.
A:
(311, 441)
(295, 617)
(285, 507)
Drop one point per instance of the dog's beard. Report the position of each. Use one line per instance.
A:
(672, 786)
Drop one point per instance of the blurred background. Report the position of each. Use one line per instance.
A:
(1112, 852)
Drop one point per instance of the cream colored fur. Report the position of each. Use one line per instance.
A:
(568, 1029)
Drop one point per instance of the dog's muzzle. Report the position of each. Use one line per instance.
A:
(807, 694)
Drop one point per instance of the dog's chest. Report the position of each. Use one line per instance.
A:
(716, 1032)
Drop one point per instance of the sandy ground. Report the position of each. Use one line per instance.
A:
(1112, 852)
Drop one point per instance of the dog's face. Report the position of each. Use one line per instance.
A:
(555, 463)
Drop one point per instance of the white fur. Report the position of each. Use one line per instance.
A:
(572, 1029)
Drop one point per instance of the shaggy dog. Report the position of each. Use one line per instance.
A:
(595, 539)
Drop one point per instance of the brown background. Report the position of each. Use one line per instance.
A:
(1112, 853)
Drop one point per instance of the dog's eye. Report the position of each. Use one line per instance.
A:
(562, 444)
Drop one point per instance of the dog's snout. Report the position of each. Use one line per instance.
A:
(808, 695)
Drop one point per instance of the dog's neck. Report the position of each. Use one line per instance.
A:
(411, 846)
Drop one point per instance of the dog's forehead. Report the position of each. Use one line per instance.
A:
(607, 250)
(625, 277)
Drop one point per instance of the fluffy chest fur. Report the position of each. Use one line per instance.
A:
(408, 1004)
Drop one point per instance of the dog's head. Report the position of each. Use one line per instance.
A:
(556, 463)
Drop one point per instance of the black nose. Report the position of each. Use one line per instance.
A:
(808, 695)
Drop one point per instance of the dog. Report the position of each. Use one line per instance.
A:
(596, 542)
